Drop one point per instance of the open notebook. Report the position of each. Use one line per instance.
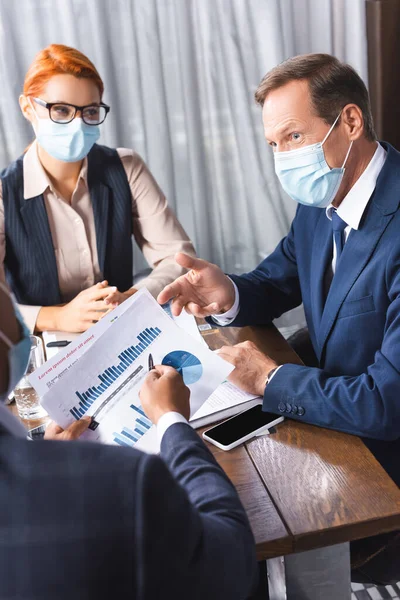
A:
(227, 401)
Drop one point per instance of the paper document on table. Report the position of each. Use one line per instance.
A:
(105, 382)
(58, 364)
(56, 336)
(186, 322)
(227, 401)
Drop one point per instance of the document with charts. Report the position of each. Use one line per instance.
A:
(105, 382)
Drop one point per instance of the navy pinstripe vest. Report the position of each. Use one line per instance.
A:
(30, 262)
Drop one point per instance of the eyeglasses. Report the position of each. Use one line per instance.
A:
(62, 113)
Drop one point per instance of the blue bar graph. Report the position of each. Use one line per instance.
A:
(113, 372)
(139, 410)
(122, 440)
(139, 429)
(129, 437)
(142, 422)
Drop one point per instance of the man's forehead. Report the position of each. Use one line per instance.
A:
(287, 105)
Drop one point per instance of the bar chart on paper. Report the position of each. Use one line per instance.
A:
(112, 373)
(106, 379)
(130, 437)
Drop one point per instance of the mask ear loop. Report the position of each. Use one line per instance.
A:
(5, 339)
(347, 155)
(329, 132)
(5, 289)
(32, 107)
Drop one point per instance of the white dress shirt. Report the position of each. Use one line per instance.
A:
(351, 210)
(11, 424)
(353, 205)
(164, 422)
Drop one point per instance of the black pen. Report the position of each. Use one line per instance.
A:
(151, 362)
(58, 344)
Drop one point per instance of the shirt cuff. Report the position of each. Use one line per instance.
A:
(30, 315)
(230, 315)
(168, 419)
(274, 373)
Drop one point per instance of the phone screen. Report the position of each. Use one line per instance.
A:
(238, 427)
(36, 433)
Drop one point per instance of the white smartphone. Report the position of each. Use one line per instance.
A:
(37, 433)
(241, 428)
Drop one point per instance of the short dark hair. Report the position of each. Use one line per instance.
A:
(332, 85)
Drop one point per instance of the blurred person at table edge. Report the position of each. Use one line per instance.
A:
(85, 520)
(69, 207)
(341, 259)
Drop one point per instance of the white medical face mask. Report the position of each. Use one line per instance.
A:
(18, 354)
(306, 176)
(69, 142)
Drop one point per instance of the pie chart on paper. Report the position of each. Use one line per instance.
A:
(188, 365)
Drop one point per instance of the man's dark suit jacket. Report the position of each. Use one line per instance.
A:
(355, 330)
(85, 521)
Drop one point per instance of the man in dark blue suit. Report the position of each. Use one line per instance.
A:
(81, 520)
(341, 259)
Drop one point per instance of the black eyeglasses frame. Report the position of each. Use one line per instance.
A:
(49, 106)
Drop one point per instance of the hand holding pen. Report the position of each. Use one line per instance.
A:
(151, 362)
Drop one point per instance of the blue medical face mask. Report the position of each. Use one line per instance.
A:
(69, 142)
(306, 176)
(18, 354)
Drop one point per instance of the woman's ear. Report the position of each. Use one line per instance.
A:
(26, 108)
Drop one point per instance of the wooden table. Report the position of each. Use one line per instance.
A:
(305, 487)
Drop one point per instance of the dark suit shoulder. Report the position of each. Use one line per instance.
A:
(80, 459)
(307, 216)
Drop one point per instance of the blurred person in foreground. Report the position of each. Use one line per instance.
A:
(83, 520)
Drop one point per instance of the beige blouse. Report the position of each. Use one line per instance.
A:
(155, 228)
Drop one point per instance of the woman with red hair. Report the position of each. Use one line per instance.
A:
(69, 207)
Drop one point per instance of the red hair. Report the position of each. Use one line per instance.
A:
(57, 59)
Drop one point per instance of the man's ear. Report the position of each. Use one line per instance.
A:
(353, 120)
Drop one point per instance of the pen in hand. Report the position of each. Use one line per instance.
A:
(151, 362)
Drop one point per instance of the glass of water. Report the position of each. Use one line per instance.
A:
(26, 398)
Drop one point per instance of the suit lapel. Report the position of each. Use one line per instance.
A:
(34, 216)
(362, 242)
(356, 254)
(100, 195)
(321, 255)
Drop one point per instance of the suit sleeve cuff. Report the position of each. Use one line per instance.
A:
(166, 421)
(231, 314)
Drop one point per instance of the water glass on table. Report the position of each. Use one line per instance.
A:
(26, 398)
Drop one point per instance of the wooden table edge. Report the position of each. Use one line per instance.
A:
(339, 535)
